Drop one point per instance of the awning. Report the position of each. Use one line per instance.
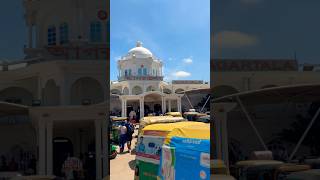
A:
(293, 93)
(12, 109)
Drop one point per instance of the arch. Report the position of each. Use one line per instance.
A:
(125, 91)
(16, 95)
(115, 91)
(268, 86)
(179, 91)
(136, 90)
(167, 91)
(223, 90)
(51, 93)
(150, 88)
(86, 88)
(152, 97)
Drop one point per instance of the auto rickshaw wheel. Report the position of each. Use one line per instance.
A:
(114, 154)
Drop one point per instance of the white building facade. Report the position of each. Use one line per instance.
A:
(61, 84)
(140, 86)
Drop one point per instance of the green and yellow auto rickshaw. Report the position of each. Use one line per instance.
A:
(114, 128)
(256, 169)
(164, 150)
(312, 174)
(145, 121)
(113, 151)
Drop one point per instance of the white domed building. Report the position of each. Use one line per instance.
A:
(140, 86)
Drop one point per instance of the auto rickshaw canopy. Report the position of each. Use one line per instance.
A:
(119, 118)
(187, 129)
(174, 114)
(159, 119)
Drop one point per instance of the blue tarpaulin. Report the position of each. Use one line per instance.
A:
(190, 159)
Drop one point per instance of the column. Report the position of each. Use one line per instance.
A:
(122, 108)
(179, 104)
(141, 107)
(49, 126)
(169, 105)
(105, 149)
(30, 35)
(125, 108)
(162, 104)
(98, 149)
(64, 98)
(42, 147)
(220, 136)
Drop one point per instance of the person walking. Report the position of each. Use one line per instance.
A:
(123, 136)
(130, 131)
(132, 115)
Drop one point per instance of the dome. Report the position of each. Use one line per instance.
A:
(140, 51)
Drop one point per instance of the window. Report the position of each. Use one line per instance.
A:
(153, 72)
(144, 71)
(129, 72)
(95, 32)
(139, 71)
(51, 35)
(125, 73)
(64, 30)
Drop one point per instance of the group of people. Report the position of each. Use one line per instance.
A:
(23, 164)
(126, 131)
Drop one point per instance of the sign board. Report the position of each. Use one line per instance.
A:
(254, 65)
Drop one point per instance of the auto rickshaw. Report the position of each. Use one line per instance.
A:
(285, 170)
(256, 169)
(312, 174)
(205, 119)
(174, 114)
(158, 119)
(113, 152)
(164, 151)
(193, 116)
(114, 128)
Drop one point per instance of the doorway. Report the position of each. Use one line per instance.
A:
(62, 147)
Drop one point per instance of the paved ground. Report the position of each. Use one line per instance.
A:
(122, 167)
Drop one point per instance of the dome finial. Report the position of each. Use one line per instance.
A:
(139, 44)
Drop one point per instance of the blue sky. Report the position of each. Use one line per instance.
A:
(176, 31)
(267, 29)
(13, 31)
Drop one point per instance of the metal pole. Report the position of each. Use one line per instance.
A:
(188, 100)
(205, 103)
(251, 123)
(304, 134)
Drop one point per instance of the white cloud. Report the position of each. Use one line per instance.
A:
(188, 60)
(234, 39)
(181, 74)
(117, 58)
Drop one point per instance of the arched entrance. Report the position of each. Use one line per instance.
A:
(153, 103)
(62, 147)
(86, 89)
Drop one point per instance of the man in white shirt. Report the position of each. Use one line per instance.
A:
(123, 136)
(132, 115)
